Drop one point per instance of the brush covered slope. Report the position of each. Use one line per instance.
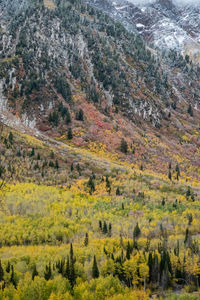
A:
(100, 176)
(93, 228)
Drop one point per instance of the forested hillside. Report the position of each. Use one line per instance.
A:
(99, 159)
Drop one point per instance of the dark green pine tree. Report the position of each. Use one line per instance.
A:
(72, 276)
(95, 270)
(128, 251)
(136, 232)
(69, 134)
(170, 175)
(67, 269)
(8, 267)
(68, 117)
(91, 185)
(150, 265)
(10, 138)
(1, 272)
(118, 191)
(47, 273)
(35, 272)
(105, 228)
(190, 110)
(124, 146)
(110, 229)
(86, 241)
(100, 225)
(80, 115)
(12, 277)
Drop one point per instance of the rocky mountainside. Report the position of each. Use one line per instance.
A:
(163, 23)
(71, 72)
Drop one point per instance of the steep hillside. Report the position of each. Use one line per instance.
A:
(166, 24)
(71, 72)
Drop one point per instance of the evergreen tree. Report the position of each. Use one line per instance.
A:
(68, 117)
(91, 185)
(124, 146)
(32, 152)
(110, 229)
(47, 273)
(190, 110)
(95, 270)
(67, 269)
(1, 272)
(86, 241)
(35, 272)
(136, 231)
(128, 251)
(10, 138)
(69, 134)
(8, 267)
(72, 276)
(105, 228)
(12, 277)
(80, 115)
(100, 225)
(118, 191)
(178, 170)
(71, 253)
(56, 165)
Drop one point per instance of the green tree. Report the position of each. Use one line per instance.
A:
(124, 146)
(137, 231)
(1, 272)
(35, 272)
(69, 134)
(86, 241)
(95, 270)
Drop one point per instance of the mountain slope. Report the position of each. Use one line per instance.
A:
(68, 66)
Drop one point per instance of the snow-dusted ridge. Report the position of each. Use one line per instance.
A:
(166, 24)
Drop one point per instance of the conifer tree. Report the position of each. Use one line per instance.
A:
(136, 231)
(95, 270)
(80, 115)
(86, 241)
(12, 277)
(118, 191)
(72, 276)
(128, 251)
(105, 228)
(100, 225)
(110, 229)
(35, 272)
(69, 134)
(67, 269)
(124, 146)
(10, 138)
(1, 272)
(91, 185)
(190, 111)
(68, 117)
(47, 273)
(8, 267)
